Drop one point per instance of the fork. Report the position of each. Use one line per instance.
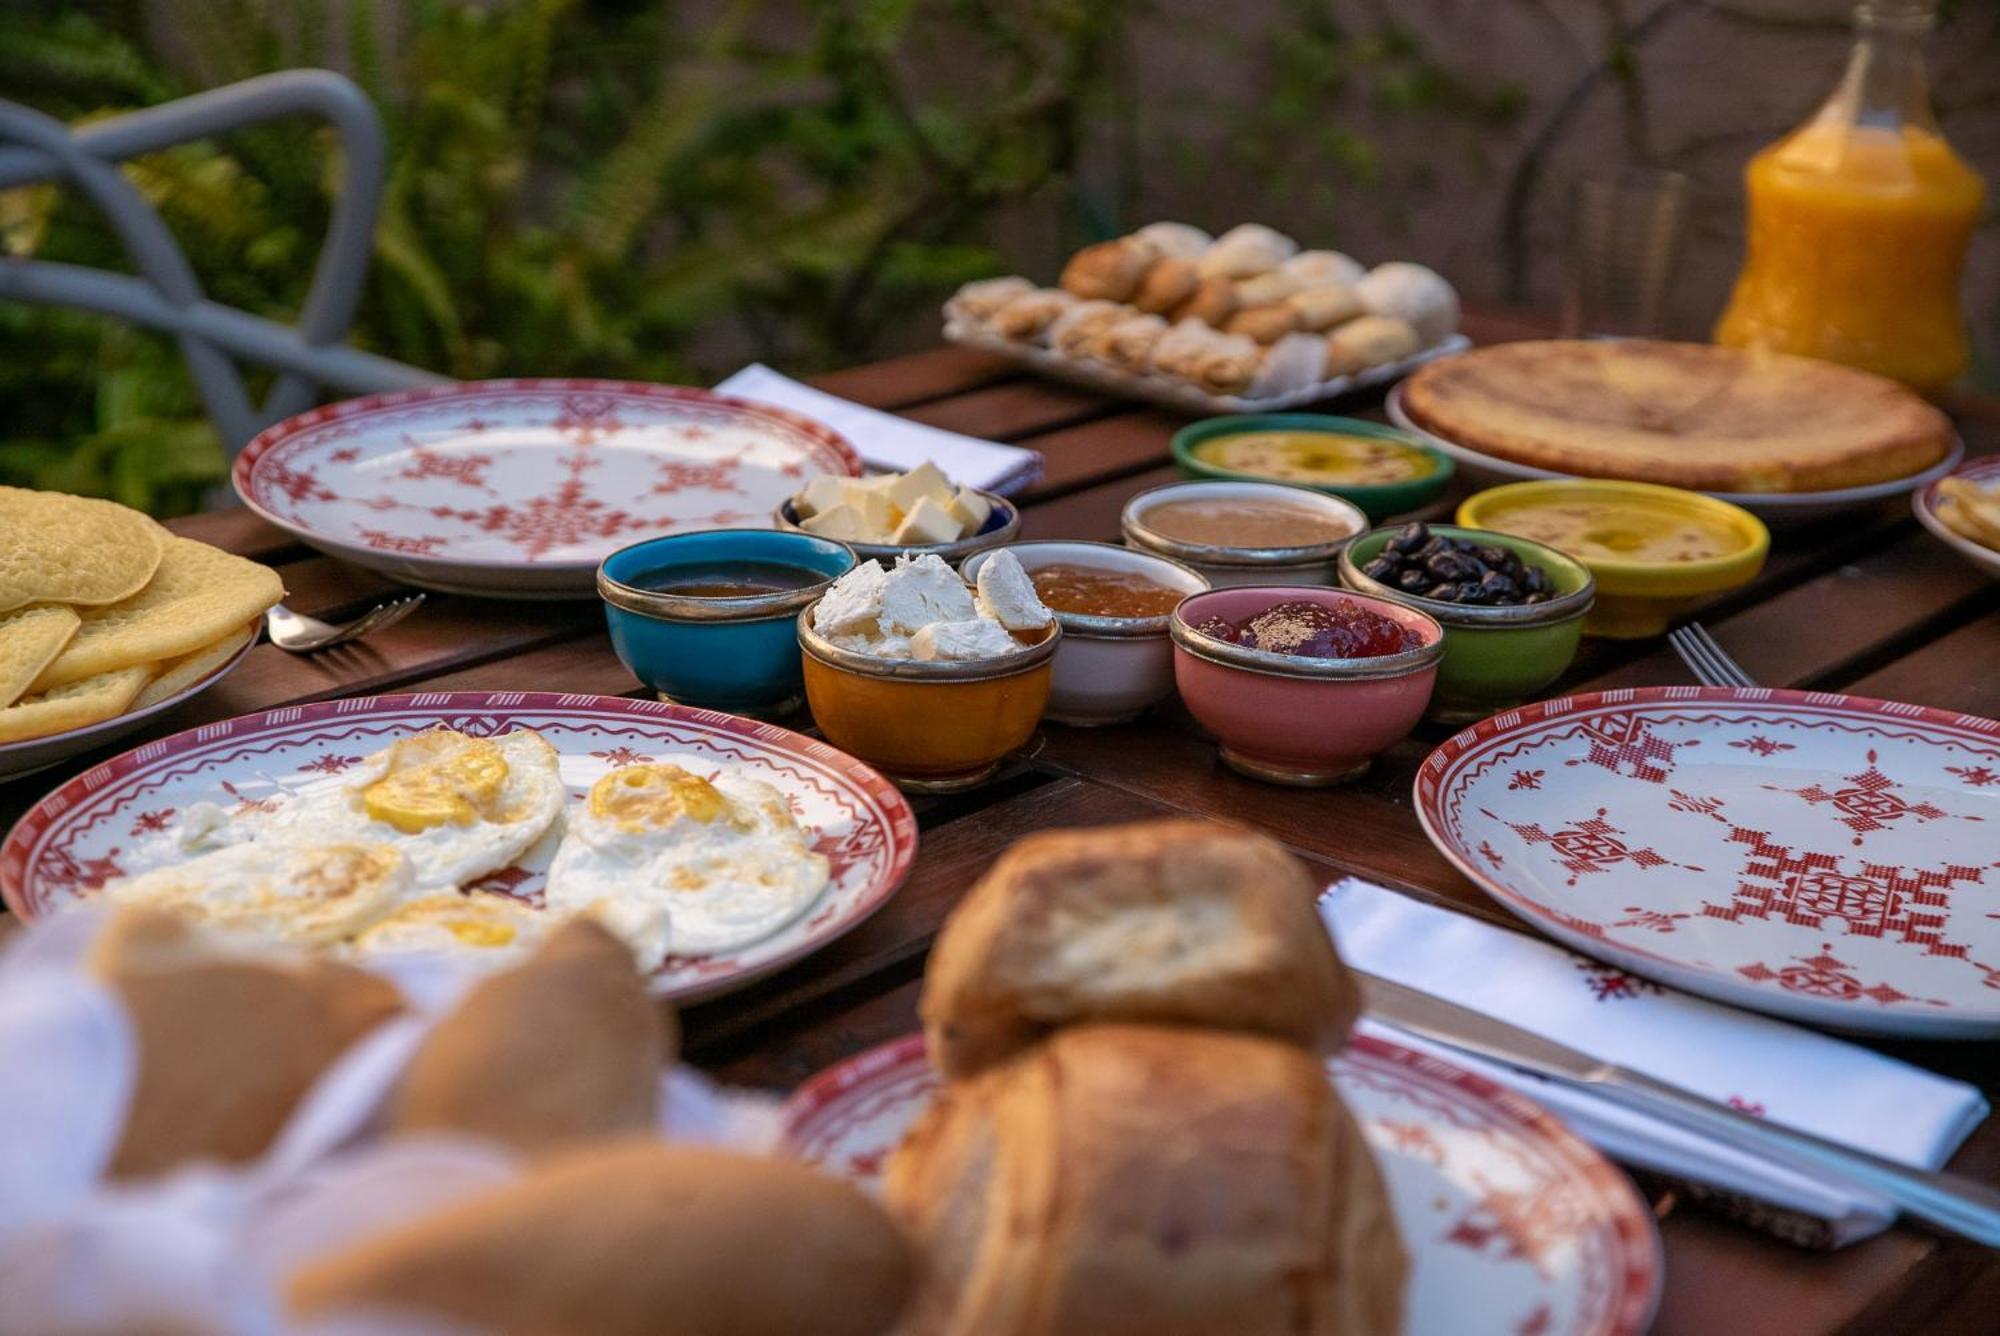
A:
(1708, 661)
(308, 635)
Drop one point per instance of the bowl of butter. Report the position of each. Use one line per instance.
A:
(890, 515)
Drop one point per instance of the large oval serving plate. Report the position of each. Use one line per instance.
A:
(1771, 507)
(28, 755)
(518, 488)
(1511, 1223)
(119, 817)
(1828, 858)
(1986, 474)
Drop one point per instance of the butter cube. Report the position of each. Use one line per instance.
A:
(839, 523)
(879, 515)
(925, 480)
(971, 510)
(928, 522)
(822, 493)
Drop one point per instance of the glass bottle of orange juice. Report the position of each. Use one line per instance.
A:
(1859, 220)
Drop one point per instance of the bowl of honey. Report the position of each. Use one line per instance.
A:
(707, 618)
(1113, 604)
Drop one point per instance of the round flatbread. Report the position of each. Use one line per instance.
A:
(177, 675)
(56, 548)
(77, 705)
(1683, 414)
(30, 639)
(199, 595)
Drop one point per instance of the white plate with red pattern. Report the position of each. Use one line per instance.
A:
(119, 817)
(1512, 1225)
(518, 488)
(1832, 859)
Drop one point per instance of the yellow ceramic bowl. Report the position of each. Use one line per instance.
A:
(1637, 595)
(932, 727)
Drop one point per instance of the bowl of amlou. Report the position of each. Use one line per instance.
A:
(1244, 533)
(1113, 605)
(1378, 468)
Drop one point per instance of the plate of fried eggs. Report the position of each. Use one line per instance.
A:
(470, 823)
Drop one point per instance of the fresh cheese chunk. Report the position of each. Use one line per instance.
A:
(971, 510)
(879, 515)
(841, 523)
(921, 591)
(1008, 595)
(852, 605)
(925, 480)
(821, 494)
(928, 522)
(975, 638)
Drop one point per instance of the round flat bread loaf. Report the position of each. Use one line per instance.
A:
(199, 595)
(78, 704)
(1683, 414)
(29, 641)
(177, 675)
(56, 548)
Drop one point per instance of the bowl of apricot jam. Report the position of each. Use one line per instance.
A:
(1113, 604)
(709, 618)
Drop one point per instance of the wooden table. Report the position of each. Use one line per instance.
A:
(1870, 604)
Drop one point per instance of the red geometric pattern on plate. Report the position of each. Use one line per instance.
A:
(1806, 889)
(1827, 975)
(1526, 779)
(1591, 846)
(1608, 983)
(384, 541)
(679, 474)
(1869, 802)
(542, 523)
(588, 418)
(1761, 745)
(1619, 741)
(1979, 776)
(59, 848)
(466, 470)
(1596, 1242)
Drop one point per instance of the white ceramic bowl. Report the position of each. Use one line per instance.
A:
(1108, 669)
(1227, 567)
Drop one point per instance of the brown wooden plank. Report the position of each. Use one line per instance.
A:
(914, 378)
(236, 530)
(1103, 451)
(1959, 671)
(1092, 513)
(1013, 410)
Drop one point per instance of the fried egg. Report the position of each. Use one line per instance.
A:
(723, 857)
(451, 922)
(458, 807)
(307, 893)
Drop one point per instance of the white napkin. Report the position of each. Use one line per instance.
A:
(888, 442)
(1794, 1076)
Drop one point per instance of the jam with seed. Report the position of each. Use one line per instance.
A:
(1315, 631)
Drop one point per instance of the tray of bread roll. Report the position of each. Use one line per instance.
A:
(1245, 322)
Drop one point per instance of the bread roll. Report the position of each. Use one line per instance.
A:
(227, 1043)
(1028, 316)
(1180, 350)
(1212, 302)
(1228, 365)
(1315, 267)
(982, 300)
(635, 1238)
(1174, 922)
(564, 1047)
(1366, 341)
(1166, 285)
(1108, 271)
(1129, 343)
(1267, 289)
(1071, 332)
(1324, 306)
(1245, 251)
(1413, 293)
(1292, 363)
(1265, 324)
(1174, 240)
(1123, 1180)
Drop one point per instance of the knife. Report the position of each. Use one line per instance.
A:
(1950, 1203)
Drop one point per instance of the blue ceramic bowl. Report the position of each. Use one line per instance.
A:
(735, 654)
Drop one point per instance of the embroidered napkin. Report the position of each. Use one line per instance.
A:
(1790, 1075)
(889, 442)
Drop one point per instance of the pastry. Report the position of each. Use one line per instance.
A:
(1127, 1180)
(1684, 414)
(227, 1043)
(1179, 351)
(1227, 364)
(1129, 343)
(1177, 922)
(1325, 305)
(564, 1047)
(1413, 293)
(1246, 250)
(633, 1238)
(1109, 271)
(1212, 302)
(1292, 363)
(1267, 289)
(1366, 341)
(1072, 331)
(1266, 324)
(1314, 267)
(1166, 285)
(983, 299)
(1174, 240)
(1025, 318)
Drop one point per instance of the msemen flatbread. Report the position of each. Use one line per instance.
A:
(76, 705)
(56, 548)
(177, 675)
(199, 595)
(1683, 414)
(30, 639)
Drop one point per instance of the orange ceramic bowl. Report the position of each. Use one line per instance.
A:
(932, 727)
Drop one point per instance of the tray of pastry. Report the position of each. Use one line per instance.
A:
(1242, 323)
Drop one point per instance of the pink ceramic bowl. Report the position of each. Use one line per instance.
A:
(1294, 720)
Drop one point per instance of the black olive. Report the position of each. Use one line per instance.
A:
(1536, 581)
(1494, 555)
(1410, 537)
(1469, 591)
(1497, 588)
(1380, 569)
(1444, 591)
(1539, 596)
(1448, 566)
(1413, 580)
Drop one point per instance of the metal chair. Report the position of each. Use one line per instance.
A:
(166, 295)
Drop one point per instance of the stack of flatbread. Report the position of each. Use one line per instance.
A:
(102, 611)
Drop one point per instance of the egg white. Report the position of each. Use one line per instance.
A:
(311, 893)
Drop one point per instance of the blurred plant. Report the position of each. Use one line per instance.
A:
(574, 188)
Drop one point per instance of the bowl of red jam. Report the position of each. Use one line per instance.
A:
(1303, 686)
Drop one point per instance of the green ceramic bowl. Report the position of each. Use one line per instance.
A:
(1377, 500)
(1494, 657)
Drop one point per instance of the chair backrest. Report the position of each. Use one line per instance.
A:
(165, 294)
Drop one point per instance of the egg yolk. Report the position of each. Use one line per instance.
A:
(481, 932)
(647, 797)
(432, 779)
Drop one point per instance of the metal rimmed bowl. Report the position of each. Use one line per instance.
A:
(1109, 669)
(734, 654)
(1294, 720)
(1003, 526)
(931, 726)
(1302, 564)
(1494, 656)
(1378, 500)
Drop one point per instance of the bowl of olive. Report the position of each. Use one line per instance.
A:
(1512, 609)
